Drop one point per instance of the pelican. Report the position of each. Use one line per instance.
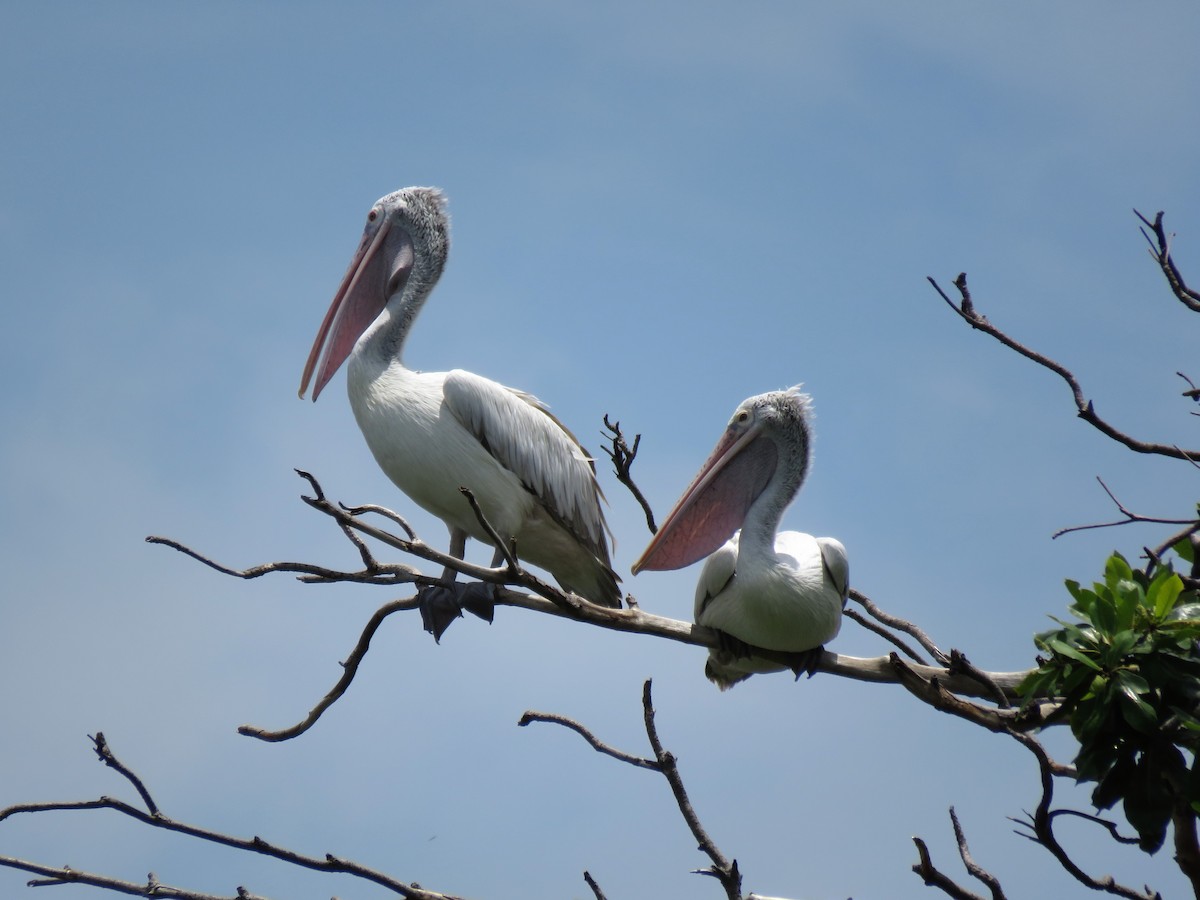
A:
(759, 588)
(433, 433)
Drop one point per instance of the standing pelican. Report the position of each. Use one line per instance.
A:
(433, 433)
(780, 591)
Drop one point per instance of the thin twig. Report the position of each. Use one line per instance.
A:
(880, 630)
(933, 877)
(157, 819)
(1130, 517)
(594, 742)
(960, 664)
(1160, 249)
(56, 875)
(973, 868)
(1086, 409)
(310, 574)
(349, 670)
(622, 456)
(506, 549)
(104, 752)
(900, 625)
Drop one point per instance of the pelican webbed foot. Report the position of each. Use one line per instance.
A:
(807, 661)
(441, 604)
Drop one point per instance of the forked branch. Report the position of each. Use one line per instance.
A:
(722, 868)
(537, 595)
(154, 817)
(1086, 409)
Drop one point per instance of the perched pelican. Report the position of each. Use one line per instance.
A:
(435, 432)
(780, 591)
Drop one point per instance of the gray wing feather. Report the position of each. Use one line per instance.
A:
(837, 566)
(522, 434)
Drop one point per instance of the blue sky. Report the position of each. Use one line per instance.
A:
(657, 212)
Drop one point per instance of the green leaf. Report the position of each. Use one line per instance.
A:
(1120, 646)
(1148, 804)
(1163, 592)
(1193, 782)
(1062, 648)
(1137, 712)
(1038, 683)
(1116, 569)
(1183, 547)
(1115, 784)
(1089, 720)
(1103, 611)
(1129, 597)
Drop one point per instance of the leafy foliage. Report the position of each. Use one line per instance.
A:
(1128, 675)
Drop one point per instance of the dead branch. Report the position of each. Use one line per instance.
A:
(1130, 517)
(349, 670)
(155, 818)
(591, 882)
(622, 456)
(1086, 409)
(876, 628)
(1039, 827)
(722, 868)
(1160, 249)
(56, 875)
(541, 597)
(594, 742)
(934, 878)
(900, 625)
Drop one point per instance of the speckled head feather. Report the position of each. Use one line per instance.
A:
(421, 211)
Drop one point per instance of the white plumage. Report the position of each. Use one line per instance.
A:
(433, 433)
(759, 588)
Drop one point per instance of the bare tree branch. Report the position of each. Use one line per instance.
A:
(151, 888)
(1130, 517)
(594, 742)
(900, 625)
(549, 600)
(349, 670)
(1160, 249)
(880, 630)
(591, 882)
(155, 818)
(723, 869)
(934, 878)
(1086, 409)
(622, 456)
(1040, 828)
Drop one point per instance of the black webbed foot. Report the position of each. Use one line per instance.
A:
(441, 604)
(807, 661)
(734, 647)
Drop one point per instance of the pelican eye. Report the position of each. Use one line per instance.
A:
(373, 215)
(743, 416)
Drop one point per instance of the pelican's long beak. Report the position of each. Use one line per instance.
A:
(359, 300)
(715, 504)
